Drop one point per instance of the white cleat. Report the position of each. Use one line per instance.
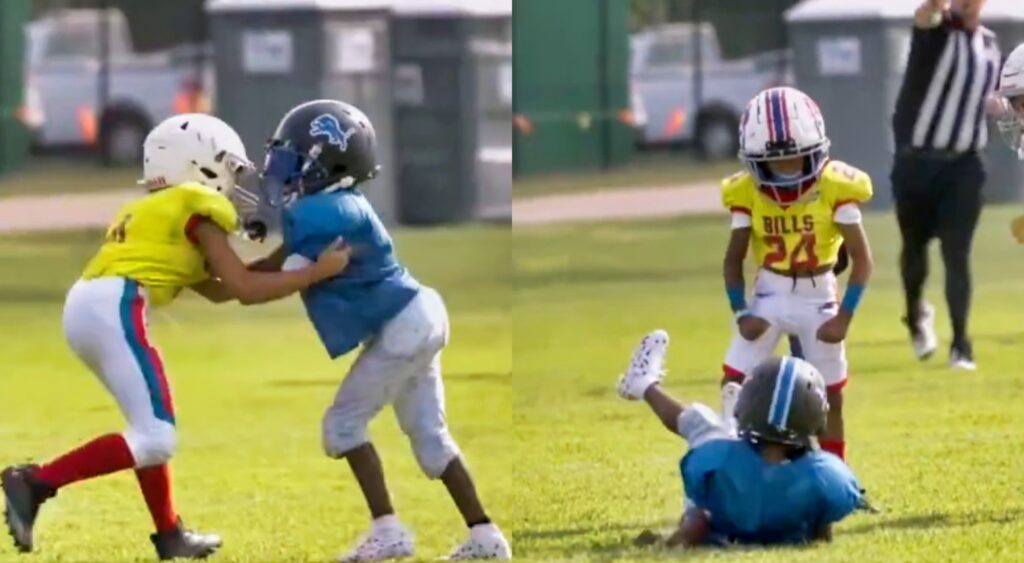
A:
(485, 542)
(645, 369)
(390, 541)
(730, 394)
(925, 342)
(960, 360)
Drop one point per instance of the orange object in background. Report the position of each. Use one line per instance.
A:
(627, 117)
(87, 124)
(674, 123)
(191, 99)
(522, 123)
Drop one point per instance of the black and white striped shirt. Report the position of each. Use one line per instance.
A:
(950, 74)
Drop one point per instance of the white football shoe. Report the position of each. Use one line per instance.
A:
(645, 369)
(485, 542)
(925, 342)
(962, 359)
(730, 395)
(386, 540)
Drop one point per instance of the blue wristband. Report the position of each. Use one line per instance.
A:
(851, 298)
(737, 301)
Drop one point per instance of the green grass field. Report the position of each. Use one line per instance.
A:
(250, 387)
(940, 451)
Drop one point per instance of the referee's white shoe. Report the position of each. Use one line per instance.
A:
(923, 336)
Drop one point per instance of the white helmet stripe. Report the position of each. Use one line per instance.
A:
(782, 398)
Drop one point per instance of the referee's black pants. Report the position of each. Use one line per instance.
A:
(938, 195)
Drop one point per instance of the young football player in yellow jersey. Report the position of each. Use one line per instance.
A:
(175, 237)
(795, 208)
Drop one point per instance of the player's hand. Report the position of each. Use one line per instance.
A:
(332, 261)
(752, 327)
(1017, 228)
(833, 331)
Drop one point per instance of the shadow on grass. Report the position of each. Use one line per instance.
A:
(618, 547)
(939, 520)
(489, 377)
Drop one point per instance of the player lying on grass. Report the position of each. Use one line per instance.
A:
(768, 484)
(174, 237)
(322, 153)
(1011, 122)
(795, 208)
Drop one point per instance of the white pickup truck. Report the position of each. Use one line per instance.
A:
(664, 84)
(63, 74)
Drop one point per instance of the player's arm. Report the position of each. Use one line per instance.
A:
(259, 287)
(213, 290)
(834, 330)
(270, 263)
(750, 327)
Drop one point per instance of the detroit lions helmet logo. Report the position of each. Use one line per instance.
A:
(328, 126)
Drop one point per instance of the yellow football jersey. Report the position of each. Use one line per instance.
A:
(804, 234)
(150, 240)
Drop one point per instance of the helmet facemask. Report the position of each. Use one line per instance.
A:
(1011, 122)
(786, 189)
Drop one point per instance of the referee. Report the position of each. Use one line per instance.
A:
(939, 126)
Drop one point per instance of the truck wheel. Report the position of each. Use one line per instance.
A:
(121, 139)
(717, 136)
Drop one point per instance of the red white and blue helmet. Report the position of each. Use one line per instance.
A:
(780, 124)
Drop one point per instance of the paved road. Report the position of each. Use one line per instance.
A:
(621, 204)
(80, 211)
(61, 212)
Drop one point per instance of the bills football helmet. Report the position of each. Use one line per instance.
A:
(782, 402)
(1011, 91)
(194, 147)
(780, 124)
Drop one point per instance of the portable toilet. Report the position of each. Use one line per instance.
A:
(271, 55)
(453, 109)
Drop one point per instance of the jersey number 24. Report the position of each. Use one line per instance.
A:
(779, 254)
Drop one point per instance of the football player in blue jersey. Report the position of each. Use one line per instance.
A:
(767, 483)
(320, 156)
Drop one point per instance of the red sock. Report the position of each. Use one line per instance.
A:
(101, 456)
(837, 447)
(155, 483)
(730, 374)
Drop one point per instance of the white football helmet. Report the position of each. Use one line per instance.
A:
(194, 147)
(780, 124)
(1011, 90)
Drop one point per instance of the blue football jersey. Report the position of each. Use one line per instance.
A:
(753, 501)
(349, 308)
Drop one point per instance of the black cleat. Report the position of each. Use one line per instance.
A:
(24, 495)
(187, 544)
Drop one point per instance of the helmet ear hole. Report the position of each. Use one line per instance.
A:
(210, 174)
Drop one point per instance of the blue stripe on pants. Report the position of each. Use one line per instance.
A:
(131, 334)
